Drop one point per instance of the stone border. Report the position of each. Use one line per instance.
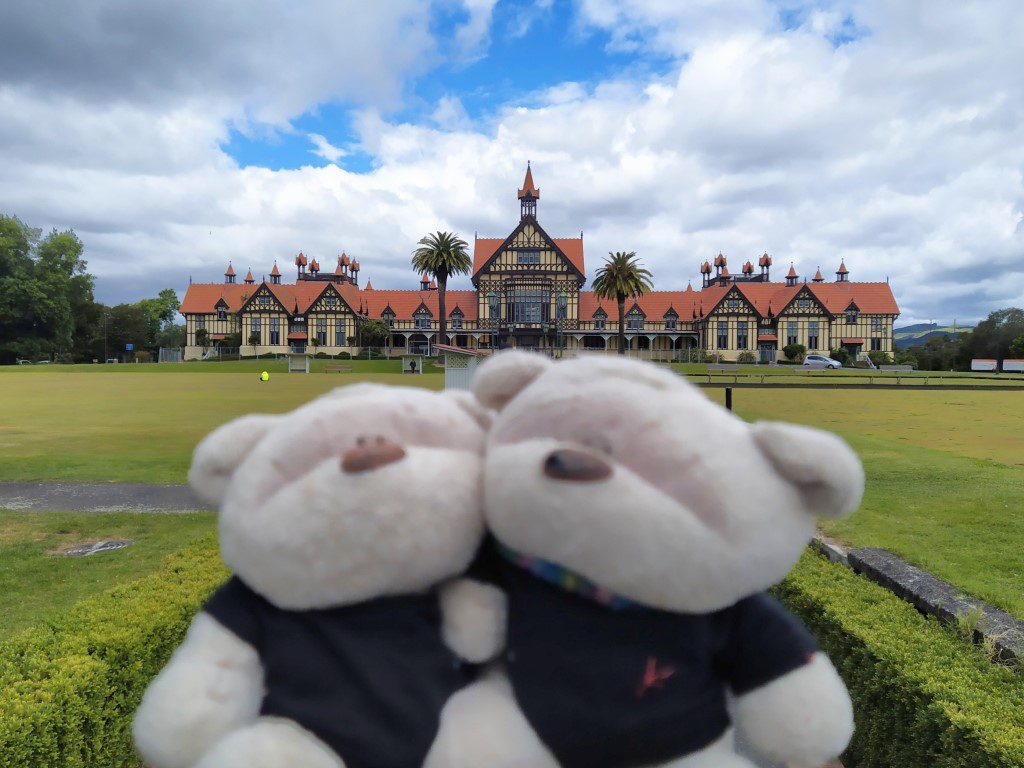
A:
(933, 597)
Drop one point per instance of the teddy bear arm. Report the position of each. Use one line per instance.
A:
(803, 718)
(212, 685)
(474, 619)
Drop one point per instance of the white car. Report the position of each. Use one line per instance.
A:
(828, 362)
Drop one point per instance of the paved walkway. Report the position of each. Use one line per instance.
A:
(97, 497)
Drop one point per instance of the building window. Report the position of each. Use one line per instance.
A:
(600, 322)
(200, 321)
(876, 325)
(222, 315)
(803, 304)
(791, 333)
(670, 322)
(456, 320)
(339, 332)
(733, 304)
(723, 334)
(528, 306)
(493, 306)
(422, 321)
(876, 345)
(529, 257)
(812, 335)
(561, 306)
(851, 317)
(389, 318)
(275, 331)
(741, 334)
(321, 331)
(635, 322)
(254, 327)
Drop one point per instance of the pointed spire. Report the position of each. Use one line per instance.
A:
(300, 260)
(230, 271)
(842, 269)
(720, 260)
(339, 270)
(792, 272)
(275, 272)
(748, 268)
(705, 268)
(354, 266)
(817, 276)
(369, 286)
(689, 286)
(529, 189)
(248, 276)
(343, 259)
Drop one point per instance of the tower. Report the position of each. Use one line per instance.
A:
(528, 196)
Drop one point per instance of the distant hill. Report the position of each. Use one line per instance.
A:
(919, 333)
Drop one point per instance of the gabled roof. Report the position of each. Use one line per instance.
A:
(485, 248)
(652, 304)
(405, 303)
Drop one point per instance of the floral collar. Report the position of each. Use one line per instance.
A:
(566, 579)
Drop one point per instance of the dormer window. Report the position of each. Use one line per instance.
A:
(600, 320)
(851, 317)
(671, 322)
(222, 314)
(421, 321)
(456, 319)
(389, 318)
(635, 321)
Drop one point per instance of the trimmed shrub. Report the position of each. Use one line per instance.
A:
(344, 356)
(746, 357)
(922, 696)
(69, 687)
(795, 352)
(880, 357)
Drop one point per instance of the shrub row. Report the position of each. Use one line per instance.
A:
(923, 697)
(69, 687)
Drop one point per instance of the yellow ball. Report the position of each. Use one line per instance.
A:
(264, 376)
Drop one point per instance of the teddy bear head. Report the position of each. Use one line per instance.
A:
(364, 492)
(626, 474)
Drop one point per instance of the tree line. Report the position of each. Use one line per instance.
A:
(48, 311)
(997, 337)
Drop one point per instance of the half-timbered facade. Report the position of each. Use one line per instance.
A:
(529, 291)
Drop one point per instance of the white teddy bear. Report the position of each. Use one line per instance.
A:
(640, 524)
(330, 646)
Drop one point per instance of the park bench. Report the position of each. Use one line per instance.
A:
(337, 369)
(723, 366)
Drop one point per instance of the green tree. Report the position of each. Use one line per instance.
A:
(59, 264)
(879, 357)
(441, 255)
(127, 324)
(993, 336)
(202, 338)
(375, 333)
(794, 352)
(842, 355)
(1017, 346)
(254, 340)
(160, 312)
(621, 276)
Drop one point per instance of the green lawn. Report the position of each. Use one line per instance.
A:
(35, 584)
(138, 427)
(945, 468)
(945, 475)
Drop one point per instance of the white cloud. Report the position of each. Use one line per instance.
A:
(472, 37)
(324, 148)
(901, 152)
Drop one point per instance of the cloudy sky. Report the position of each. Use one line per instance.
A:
(175, 136)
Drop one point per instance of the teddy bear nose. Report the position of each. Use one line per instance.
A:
(568, 464)
(371, 455)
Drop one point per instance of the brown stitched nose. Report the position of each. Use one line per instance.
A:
(567, 464)
(371, 455)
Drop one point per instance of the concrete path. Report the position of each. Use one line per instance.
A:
(97, 497)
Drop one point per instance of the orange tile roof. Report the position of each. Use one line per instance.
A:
(654, 304)
(485, 247)
(405, 303)
(203, 297)
(764, 261)
(528, 187)
(792, 272)
(275, 272)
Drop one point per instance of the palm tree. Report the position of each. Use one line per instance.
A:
(441, 255)
(620, 277)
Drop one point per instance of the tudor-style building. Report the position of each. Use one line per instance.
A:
(529, 292)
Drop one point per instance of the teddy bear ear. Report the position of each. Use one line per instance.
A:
(505, 375)
(220, 453)
(821, 465)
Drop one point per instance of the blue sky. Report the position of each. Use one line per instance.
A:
(174, 137)
(531, 47)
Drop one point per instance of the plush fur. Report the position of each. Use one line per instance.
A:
(682, 506)
(307, 526)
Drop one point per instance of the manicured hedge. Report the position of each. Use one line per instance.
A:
(69, 688)
(923, 697)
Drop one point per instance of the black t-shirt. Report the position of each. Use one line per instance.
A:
(636, 686)
(369, 680)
